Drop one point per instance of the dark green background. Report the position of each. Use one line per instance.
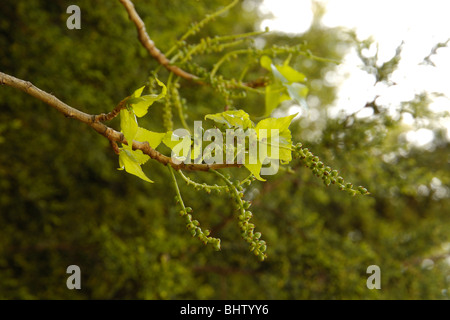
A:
(63, 202)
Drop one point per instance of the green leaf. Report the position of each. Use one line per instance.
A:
(266, 62)
(288, 77)
(285, 96)
(255, 169)
(141, 107)
(278, 75)
(139, 156)
(167, 139)
(285, 139)
(140, 104)
(134, 100)
(232, 119)
(290, 74)
(153, 138)
(128, 125)
(137, 93)
(179, 147)
(275, 94)
(130, 161)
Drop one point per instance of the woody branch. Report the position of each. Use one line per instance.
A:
(94, 121)
(148, 44)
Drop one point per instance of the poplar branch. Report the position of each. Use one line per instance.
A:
(114, 113)
(148, 43)
(150, 46)
(93, 121)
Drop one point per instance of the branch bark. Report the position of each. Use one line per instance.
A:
(148, 44)
(93, 121)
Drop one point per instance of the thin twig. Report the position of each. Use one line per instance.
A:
(114, 113)
(202, 23)
(115, 147)
(148, 44)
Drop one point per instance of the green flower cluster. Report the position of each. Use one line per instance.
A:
(193, 225)
(324, 172)
(257, 246)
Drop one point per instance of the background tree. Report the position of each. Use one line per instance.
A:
(62, 202)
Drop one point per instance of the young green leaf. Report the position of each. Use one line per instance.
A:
(167, 139)
(232, 119)
(284, 135)
(285, 86)
(139, 156)
(277, 74)
(140, 104)
(137, 93)
(290, 74)
(153, 138)
(275, 94)
(128, 125)
(266, 62)
(130, 161)
(255, 169)
(181, 147)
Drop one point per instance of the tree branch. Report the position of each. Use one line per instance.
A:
(150, 45)
(93, 121)
(114, 113)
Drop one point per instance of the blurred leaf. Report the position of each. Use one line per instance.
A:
(298, 92)
(290, 74)
(274, 96)
(266, 62)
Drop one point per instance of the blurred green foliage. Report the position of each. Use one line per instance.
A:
(63, 202)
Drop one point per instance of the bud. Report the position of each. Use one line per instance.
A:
(362, 190)
(217, 244)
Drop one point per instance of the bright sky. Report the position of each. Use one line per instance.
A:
(420, 24)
